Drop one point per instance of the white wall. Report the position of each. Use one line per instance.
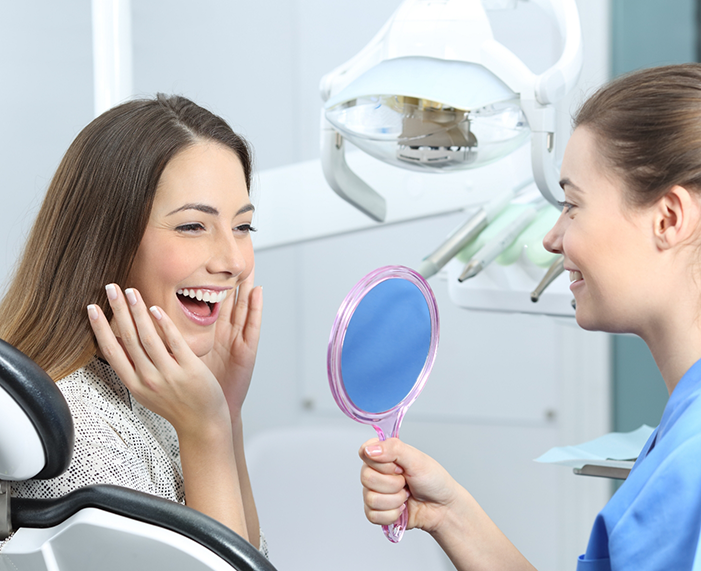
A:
(46, 98)
(258, 64)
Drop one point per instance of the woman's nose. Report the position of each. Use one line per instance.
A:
(227, 257)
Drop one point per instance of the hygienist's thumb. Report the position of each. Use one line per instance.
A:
(393, 451)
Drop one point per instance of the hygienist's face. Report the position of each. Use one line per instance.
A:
(606, 241)
(197, 246)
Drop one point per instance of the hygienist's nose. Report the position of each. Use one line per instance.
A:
(553, 239)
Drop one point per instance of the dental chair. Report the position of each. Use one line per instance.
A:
(103, 527)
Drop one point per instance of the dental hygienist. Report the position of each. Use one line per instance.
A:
(630, 232)
(135, 293)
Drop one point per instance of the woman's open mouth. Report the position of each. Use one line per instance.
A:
(201, 305)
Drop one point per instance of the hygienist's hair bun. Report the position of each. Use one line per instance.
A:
(647, 126)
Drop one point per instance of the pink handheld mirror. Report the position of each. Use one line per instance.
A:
(381, 350)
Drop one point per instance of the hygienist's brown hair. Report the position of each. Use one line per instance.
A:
(647, 126)
(92, 220)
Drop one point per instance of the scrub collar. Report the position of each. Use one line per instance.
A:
(679, 399)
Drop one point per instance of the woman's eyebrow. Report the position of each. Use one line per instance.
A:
(247, 208)
(210, 209)
(196, 206)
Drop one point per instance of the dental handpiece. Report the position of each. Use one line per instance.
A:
(557, 267)
(464, 235)
(499, 243)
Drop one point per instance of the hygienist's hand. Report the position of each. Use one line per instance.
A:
(394, 472)
(436, 504)
(163, 374)
(236, 343)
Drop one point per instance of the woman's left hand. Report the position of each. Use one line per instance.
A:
(236, 343)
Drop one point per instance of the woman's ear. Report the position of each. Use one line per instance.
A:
(676, 217)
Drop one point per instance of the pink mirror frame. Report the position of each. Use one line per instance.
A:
(385, 423)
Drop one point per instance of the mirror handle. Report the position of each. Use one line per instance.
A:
(395, 531)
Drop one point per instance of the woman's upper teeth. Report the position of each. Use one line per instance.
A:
(204, 295)
(575, 275)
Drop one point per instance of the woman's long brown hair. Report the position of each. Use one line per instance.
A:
(91, 222)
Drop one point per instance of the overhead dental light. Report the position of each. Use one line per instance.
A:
(434, 91)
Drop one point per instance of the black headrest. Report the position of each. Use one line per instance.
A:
(41, 400)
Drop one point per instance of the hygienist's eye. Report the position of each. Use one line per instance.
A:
(565, 206)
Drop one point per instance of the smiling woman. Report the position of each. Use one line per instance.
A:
(147, 223)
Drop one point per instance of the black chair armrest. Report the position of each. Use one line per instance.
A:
(218, 538)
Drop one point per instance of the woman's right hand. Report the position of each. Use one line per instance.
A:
(394, 473)
(161, 371)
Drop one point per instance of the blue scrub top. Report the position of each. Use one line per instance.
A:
(653, 520)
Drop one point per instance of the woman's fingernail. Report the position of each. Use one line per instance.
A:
(402, 508)
(155, 312)
(131, 296)
(398, 470)
(92, 312)
(373, 450)
(111, 290)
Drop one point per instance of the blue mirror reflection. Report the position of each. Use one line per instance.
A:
(386, 345)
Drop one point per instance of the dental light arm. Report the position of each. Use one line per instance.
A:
(343, 180)
(553, 84)
(455, 38)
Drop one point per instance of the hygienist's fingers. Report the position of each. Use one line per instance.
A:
(394, 451)
(380, 482)
(375, 454)
(109, 345)
(383, 502)
(383, 517)
(382, 509)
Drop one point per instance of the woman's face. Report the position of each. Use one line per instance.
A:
(607, 243)
(197, 246)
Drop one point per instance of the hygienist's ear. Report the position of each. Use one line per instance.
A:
(676, 217)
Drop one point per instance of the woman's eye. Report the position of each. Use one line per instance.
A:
(189, 228)
(244, 229)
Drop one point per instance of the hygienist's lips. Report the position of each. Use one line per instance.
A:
(203, 320)
(577, 281)
(575, 278)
